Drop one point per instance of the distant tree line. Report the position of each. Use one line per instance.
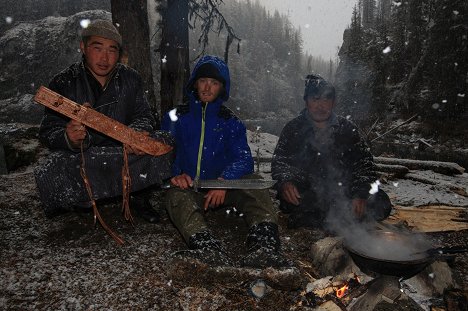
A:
(405, 57)
(267, 65)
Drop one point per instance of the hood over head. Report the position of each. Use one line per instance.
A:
(210, 67)
(318, 87)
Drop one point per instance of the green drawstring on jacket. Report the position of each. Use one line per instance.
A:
(202, 140)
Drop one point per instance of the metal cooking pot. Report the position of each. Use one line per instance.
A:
(393, 253)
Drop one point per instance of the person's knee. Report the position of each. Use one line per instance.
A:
(174, 197)
(380, 205)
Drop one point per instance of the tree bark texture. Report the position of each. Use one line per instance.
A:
(175, 69)
(131, 17)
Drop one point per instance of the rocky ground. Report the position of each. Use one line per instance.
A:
(67, 263)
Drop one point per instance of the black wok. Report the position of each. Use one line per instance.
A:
(392, 253)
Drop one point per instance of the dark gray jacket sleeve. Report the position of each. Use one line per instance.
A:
(285, 166)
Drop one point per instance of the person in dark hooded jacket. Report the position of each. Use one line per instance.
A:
(323, 166)
(211, 143)
(116, 91)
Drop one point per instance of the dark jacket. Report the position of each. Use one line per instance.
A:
(224, 151)
(347, 164)
(122, 99)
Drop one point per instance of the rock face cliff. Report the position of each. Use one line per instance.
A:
(15, 11)
(31, 53)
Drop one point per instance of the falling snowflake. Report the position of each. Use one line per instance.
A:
(84, 23)
(387, 50)
(307, 26)
(395, 184)
(164, 59)
(173, 115)
(374, 187)
(435, 106)
(9, 19)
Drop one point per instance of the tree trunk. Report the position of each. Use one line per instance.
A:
(132, 19)
(175, 69)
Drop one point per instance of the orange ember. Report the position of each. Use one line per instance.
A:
(340, 292)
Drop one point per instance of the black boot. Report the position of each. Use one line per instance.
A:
(141, 204)
(263, 246)
(207, 249)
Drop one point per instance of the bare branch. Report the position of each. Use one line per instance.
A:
(211, 20)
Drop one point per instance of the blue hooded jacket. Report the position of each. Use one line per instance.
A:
(210, 139)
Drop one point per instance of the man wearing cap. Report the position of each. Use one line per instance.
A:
(212, 144)
(323, 167)
(115, 90)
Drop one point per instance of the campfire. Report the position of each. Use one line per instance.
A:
(349, 288)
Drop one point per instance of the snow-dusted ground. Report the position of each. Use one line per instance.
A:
(68, 264)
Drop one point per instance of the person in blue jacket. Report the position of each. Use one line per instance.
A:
(211, 143)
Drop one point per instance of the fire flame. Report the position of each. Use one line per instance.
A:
(340, 292)
(353, 282)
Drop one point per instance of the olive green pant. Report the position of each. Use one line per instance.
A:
(185, 208)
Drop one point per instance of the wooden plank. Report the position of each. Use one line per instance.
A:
(431, 218)
(100, 122)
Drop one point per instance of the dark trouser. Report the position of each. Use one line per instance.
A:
(61, 186)
(185, 208)
(378, 206)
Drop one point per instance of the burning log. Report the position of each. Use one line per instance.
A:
(340, 292)
(446, 168)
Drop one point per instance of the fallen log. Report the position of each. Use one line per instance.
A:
(437, 182)
(396, 170)
(446, 168)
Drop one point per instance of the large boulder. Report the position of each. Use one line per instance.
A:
(29, 10)
(31, 53)
(21, 109)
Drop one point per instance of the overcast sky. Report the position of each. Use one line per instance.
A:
(322, 22)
